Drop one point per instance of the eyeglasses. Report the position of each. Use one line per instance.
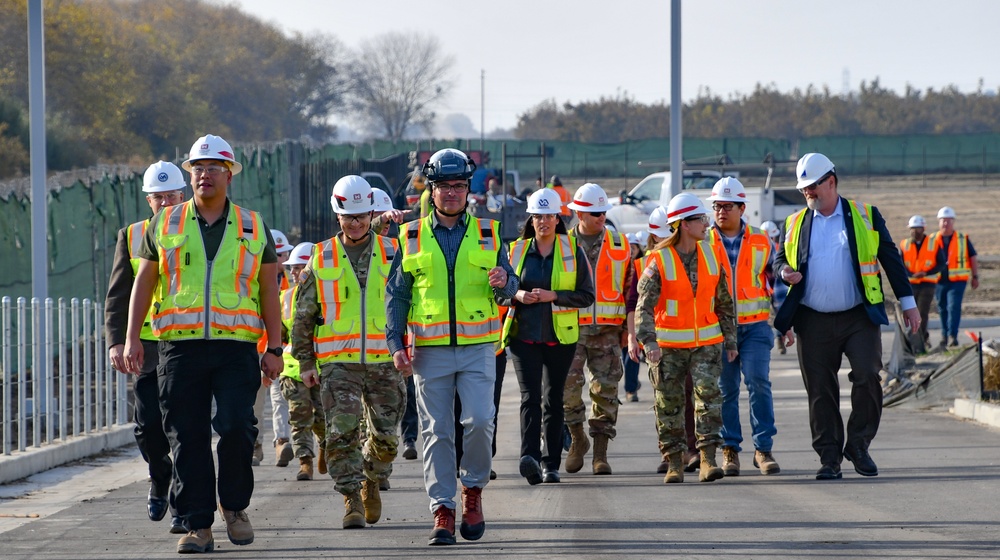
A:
(452, 188)
(703, 218)
(355, 218)
(728, 207)
(543, 217)
(596, 214)
(813, 186)
(172, 196)
(208, 169)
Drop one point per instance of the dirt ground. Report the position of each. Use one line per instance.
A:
(975, 198)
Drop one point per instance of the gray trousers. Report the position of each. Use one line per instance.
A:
(438, 372)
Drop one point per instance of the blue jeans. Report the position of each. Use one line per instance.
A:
(631, 372)
(949, 298)
(754, 342)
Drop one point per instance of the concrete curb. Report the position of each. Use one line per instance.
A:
(35, 460)
(985, 413)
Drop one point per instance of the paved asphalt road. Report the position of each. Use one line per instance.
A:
(936, 497)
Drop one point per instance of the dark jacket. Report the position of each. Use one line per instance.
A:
(119, 292)
(888, 257)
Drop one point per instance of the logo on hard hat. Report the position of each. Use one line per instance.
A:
(804, 173)
(600, 200)
(357, 197)
(204, 147)
(727, 190)
(162, 177)
(543, 203)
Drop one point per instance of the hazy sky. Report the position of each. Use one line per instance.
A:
(584, 49)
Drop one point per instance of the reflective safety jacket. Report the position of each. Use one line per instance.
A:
(134, 234)
(748, 284)
(609, 282)
(288, 298)
(867, 241)
(565, 320)
(353, 325)
(959, 269)
(685, 319)
(202, 299)
(455, 304)
(919, 259)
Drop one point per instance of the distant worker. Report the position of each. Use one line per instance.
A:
(384, 213)
(830, 259)
(208, 320)
(164, 185)
(555, 183)
(957, 256)
(745, 253)
(601, 329)
(922, 266)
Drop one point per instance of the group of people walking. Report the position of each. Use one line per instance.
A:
(441, 304)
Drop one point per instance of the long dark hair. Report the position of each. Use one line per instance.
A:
(529, 227)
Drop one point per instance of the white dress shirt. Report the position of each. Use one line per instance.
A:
(831, 284)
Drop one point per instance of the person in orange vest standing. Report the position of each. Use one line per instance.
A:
(556, 184)
(745, 254)
(685, 323)
(922, 265)
(213, 266)
(959, 268)
(601, 328)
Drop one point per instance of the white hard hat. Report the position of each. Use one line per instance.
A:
(544, 201)
(638, 237)
(946, 212)
(211, 146)
(281, 244)
(770, 228)
(919, 221)
(683, 206)
(383, 202)
(590, 198)
(657, 224)
(352, 195)
(162, 176)
(728, 189)
(300, 254)
(811, 168)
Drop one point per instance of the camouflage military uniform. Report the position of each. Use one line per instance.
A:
(305, 412)
(350, 392)
(600, 348)
(704, 363)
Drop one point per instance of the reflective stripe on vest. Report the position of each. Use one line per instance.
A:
(228, 283)
(353, 326)
(134, 235)
(748, 285)
(918, 259)
(288, 297)
(477, 319)
(565, 321)
(685, 319)
(609, 282)
(958, 256)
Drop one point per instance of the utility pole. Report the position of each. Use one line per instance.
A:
(676, 163)
(482, 108)
(39, 191)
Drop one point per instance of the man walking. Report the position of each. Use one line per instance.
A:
(959, 268)
(922, 267)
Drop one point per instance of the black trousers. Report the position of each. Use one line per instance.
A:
(501, 366)
(191, 373)
(824, 340)
(149, 434)
(541, 372)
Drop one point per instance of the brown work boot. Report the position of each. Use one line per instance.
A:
(675, 468)
(196, 541)
(305, 469)
(764, 461)
(731, 461)
(710, 471)
(444, 527)
(473, 523)
(664, 465)
(282, 452)
(371, 500)
(692, 459)
(601, 465)
(321, 461)
(354, 511)
(237, 526)
(577, 449)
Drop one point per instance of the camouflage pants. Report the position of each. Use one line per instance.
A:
(602, 353)
(355, 395)
(667, 377)
(305, 415)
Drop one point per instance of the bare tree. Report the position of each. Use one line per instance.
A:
(396, 80)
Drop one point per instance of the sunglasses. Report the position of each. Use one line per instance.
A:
(596, 214)
(813, 186)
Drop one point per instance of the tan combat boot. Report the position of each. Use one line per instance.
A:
(354, 511)
(321, 461)
(283, 452)
(372, 501)
(675, 468)
(577, 449)
(710, 471)
(196, 541)
(764, 461)
(730, 461)
(601, 465)
(305, 469)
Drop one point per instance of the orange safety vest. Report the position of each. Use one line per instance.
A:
(685, 319)
(609, 282)
(918, 259)
(564, 200)
(958, 255)
(748, 285)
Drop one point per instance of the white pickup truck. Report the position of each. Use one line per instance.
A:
(630, 213)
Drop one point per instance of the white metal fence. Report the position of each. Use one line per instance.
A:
(57, 379)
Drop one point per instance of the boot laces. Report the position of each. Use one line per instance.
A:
(473, 499)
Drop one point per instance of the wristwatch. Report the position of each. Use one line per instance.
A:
(276, 351)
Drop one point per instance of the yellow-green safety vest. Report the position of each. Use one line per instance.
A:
(565, 320)
(134, 235)
(288, 298)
